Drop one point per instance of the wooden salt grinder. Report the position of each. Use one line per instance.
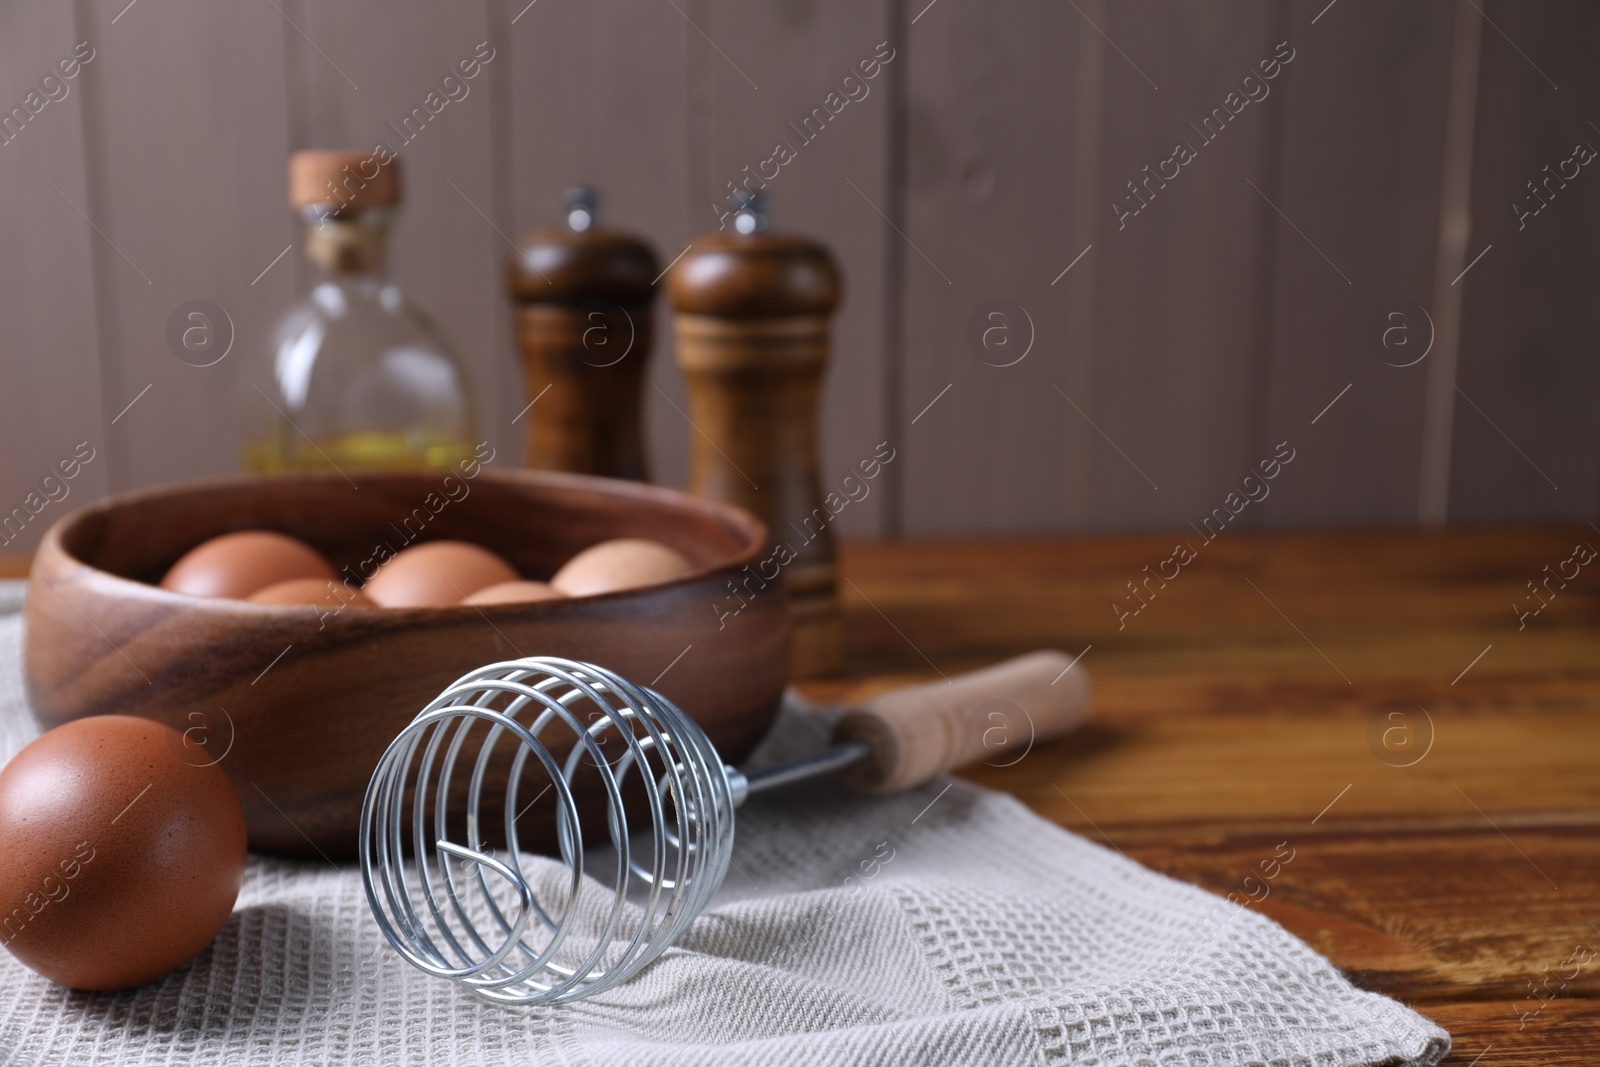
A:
(582, 296)
(752, 312)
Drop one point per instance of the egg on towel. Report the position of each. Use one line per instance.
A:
(122, 851)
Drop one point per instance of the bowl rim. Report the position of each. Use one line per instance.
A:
(52, 546)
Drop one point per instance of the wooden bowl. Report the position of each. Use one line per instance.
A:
(298, 707)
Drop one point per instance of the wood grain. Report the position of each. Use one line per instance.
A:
(1419, 914)
(585, 327)
(983, 162)
(981, 95)
(1520, 440)
(1219, 731)
(1199, 242)
(195, 207)
(307, 700)
(1564, 1035)
(53, 394)
(752, 324)
(1360, 460)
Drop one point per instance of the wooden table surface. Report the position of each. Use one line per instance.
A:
(1276, 691)
(1368, 698)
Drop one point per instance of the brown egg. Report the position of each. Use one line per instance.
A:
(625, 563)
(436, 574)
(318, 592)
(515, 593)
(238, 564)
(122, 850)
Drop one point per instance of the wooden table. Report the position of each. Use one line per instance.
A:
(1368, 698)
(1247, 704)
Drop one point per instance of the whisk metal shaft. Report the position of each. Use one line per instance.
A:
(829, 762)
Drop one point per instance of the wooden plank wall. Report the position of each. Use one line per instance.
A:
(186, 169)
(1360, 463)
(51, 393)
(1526, 426)
(1250, 300)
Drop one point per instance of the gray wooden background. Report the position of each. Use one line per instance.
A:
(1312, 254)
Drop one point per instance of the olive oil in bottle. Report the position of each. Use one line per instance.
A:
(356, 376)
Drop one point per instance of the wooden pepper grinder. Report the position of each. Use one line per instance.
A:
(582, 296)
(752, 313)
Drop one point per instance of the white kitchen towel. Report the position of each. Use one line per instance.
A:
(948, 925)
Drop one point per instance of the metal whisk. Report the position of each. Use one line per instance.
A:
(548, 935)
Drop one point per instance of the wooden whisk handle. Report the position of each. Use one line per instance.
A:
(919, 732)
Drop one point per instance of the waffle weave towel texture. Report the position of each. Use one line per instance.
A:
(948, 925)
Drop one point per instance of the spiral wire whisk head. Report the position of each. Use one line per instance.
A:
(515, 926)
(510, 925)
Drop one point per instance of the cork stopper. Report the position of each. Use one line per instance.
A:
(582, 261)
(749, 272)
(343, 180)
